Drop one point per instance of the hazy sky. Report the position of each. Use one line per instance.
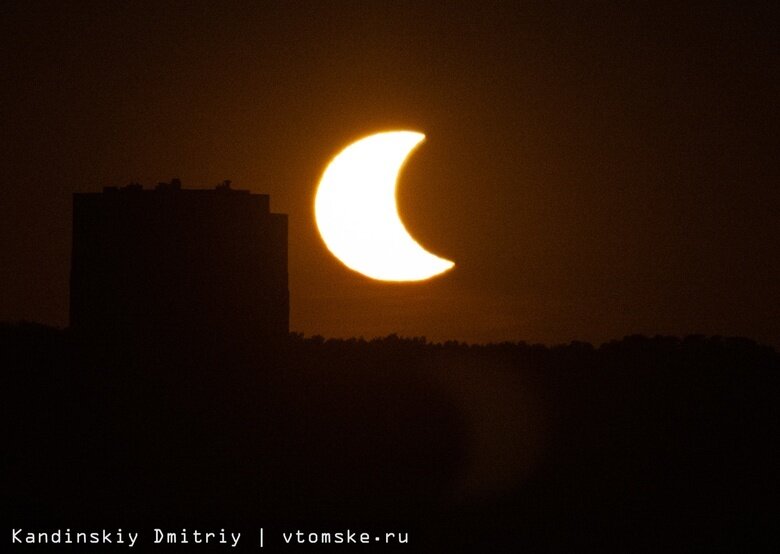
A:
(593, 169)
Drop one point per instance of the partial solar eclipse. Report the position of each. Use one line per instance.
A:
(357, 214)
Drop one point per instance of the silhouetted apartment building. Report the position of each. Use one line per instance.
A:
(178, 267)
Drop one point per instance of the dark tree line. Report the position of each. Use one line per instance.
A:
(639, 444)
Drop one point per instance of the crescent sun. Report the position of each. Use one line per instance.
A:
(357, 214)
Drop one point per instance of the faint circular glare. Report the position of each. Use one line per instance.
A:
(357, 214)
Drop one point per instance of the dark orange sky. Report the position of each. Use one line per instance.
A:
(594, 171)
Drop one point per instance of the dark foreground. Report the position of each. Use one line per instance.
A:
(644, 444)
